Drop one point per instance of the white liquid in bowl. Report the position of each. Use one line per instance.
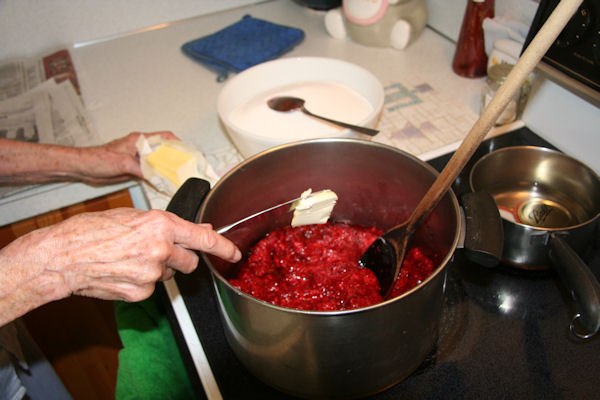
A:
(329, 99)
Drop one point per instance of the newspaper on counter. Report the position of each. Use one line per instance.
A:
(40, 103)
(19, 75)
(49, 113)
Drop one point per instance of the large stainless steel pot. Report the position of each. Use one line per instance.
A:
(345, 354)
(551, 204)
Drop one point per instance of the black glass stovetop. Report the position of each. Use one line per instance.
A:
(504, 332)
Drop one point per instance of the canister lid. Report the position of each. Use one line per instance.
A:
(498, 72)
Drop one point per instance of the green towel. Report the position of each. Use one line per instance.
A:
(150, 366)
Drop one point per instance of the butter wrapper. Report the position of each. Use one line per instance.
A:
(158, 180)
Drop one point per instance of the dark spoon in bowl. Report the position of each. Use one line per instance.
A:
(386, 255)
(289, 103)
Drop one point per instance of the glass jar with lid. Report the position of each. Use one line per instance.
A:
(496, 75)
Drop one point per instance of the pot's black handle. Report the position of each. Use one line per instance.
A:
(484, 236)
(189, 197)
(581, 284)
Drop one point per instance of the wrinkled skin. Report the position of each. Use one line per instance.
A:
(117, 254)
(115, 161)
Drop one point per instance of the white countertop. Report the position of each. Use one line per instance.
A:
(143, 82)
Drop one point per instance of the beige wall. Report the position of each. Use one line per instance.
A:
(28, 27)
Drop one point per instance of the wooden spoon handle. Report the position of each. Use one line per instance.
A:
(525, 65)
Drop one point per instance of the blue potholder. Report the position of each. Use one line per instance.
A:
(242, 45)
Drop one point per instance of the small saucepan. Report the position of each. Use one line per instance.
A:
(550, 204)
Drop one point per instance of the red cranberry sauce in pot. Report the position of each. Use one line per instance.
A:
(315, 267)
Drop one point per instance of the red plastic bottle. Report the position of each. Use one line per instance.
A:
(470, 59)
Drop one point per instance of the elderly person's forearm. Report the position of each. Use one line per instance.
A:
(28, 163)
(117, 254)
(23, 162)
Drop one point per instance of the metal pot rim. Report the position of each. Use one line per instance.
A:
(442, 265)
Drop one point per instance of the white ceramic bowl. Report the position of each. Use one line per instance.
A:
(333, 88)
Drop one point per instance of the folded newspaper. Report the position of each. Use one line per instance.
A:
(49, 113)
(40, 102)
(19, 75)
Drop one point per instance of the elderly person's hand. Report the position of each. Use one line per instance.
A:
(115, 254)
(116, 160)
(22, 162)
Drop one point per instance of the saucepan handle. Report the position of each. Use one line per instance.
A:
(484, 236)
(189, 197)
(581, 284)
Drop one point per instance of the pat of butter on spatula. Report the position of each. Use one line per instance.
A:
(313, 208)
(173, 164)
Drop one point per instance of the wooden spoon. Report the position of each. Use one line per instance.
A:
(386, 255)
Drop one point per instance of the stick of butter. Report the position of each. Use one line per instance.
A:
(173, 164)
(313, 208)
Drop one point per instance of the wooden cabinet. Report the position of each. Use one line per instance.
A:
(8, 233)
(78, 335)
